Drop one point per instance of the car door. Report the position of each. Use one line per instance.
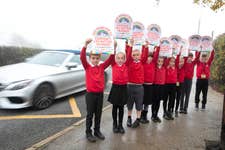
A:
(73, 79)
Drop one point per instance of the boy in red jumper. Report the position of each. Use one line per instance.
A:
(94, 73)
(203, 73)
(189, 65)
(135, 83)
(118, 93)
(159, 87)
(170, 88)
(179, 85)
(149, 75)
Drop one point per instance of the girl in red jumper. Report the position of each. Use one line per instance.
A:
(189, 65)
(203, 73)
(170, 88)
(149, 75)
(135, 83)
(118, 94)
(179, 86)
(94, 74)
(159, 88)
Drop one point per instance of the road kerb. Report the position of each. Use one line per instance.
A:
(40, 145)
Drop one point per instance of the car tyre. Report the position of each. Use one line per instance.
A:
(43, 96)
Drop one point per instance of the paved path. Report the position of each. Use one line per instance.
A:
(187, 132)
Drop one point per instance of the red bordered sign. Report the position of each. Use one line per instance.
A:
(123, 26)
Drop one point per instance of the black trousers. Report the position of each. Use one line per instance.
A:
(94, 102)
(185, 94)
(201, 86)
(179, 90)
(117, 109)
(169, 100)
(159, 95)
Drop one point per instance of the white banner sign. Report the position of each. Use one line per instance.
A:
(103, 41)
(175, 42)
(138, 34)
(123, 27)
(194, 42)
(206, 43)
(153, 34)
(165, 47)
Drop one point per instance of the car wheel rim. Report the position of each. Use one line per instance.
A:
(45, 102)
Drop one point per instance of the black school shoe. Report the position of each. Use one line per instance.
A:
(158, 119)
(136, 124)
(99, 135)
(115, 128)
(144, 119)
(90, 137)
(203, 106)
(196, 106)
(129, 122)
(121, 129)
(166, 116)
(154, 119)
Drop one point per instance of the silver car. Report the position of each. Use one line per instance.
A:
(37, 82)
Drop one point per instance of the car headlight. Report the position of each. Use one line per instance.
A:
(18, 85)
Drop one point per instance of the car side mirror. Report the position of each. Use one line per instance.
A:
(71, 65)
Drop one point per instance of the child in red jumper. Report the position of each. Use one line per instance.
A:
(189, 65)
(159, 88)
(94, 73)
(135, 83)
(170, 88)
(118, 94)
(179, 85)
(149, 75)
(203, 73)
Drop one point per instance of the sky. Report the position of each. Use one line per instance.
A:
(65, 24)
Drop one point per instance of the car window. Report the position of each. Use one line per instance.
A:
(75, 59)
(49, 58)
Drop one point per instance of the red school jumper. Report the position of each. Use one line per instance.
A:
(149, 69)
(136, 69)
(94, 75)
(204, 68)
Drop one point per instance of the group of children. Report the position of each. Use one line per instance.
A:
(142, 78)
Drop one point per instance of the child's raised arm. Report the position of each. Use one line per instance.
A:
(211, 57)
(83, 57)
(156, 54)
(197, 56)
(111, 57)
(177, 60)
(129, 51)
(144, 53)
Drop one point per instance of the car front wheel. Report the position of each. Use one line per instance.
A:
(43, 96)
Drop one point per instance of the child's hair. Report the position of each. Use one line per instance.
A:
(94, 54)
(150, 54)
(204, 55)
(121, 53)
(190, 54)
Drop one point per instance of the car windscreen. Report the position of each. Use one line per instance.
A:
(49, 58)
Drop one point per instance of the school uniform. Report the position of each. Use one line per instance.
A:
(171, 80)
(179, 86)
(149, 76)
(94, 77)
(136, 80)
(159, 89)
(118, 94)
(203, 74)
(189, 72)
